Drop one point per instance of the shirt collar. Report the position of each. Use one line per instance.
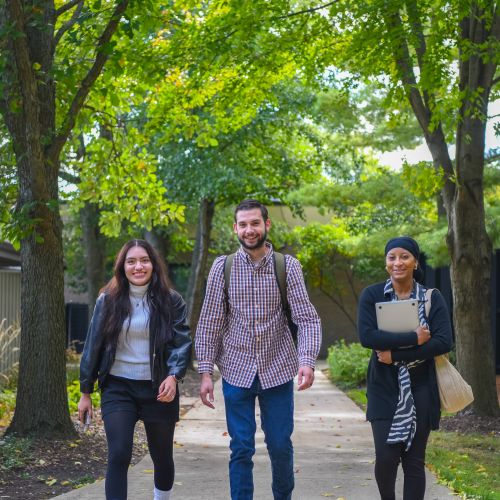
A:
(138, 290)
(244, 255)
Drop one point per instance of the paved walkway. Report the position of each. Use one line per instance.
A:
(333, 454)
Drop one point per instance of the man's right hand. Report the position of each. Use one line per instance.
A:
(207, 390)
(423, 335)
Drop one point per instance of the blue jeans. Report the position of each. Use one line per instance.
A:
(276, 408)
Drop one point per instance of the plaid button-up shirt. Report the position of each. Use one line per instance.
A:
(253, 337)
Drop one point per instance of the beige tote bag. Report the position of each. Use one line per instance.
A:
(454, 392)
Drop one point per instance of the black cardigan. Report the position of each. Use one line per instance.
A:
(382, 379)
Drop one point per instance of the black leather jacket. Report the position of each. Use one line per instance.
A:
(98, 357)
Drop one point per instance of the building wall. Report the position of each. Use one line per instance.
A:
(10, 295)
(334, 322)
(10, 316)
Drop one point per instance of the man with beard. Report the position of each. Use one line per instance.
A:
(244, 330)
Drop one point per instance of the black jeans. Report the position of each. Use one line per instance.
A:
(119, 428)
(388, 456)
(123, 403)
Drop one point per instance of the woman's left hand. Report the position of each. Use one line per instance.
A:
(384, 357)
(167, 390)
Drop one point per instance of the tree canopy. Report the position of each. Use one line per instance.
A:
(143, 107)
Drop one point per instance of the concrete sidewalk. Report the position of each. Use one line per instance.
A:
(333, 454)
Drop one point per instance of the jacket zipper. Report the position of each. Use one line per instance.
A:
(154, 359)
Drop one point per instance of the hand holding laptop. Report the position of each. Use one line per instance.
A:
(423, 335)
(401, 316)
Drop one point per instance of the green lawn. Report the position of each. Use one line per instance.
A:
(467, 463)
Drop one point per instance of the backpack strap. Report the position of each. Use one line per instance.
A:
(280, 272)
(228, 264)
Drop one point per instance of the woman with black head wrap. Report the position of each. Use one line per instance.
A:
(403, 399)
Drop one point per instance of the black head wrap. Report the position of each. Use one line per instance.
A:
(403, 242)
(411, 246)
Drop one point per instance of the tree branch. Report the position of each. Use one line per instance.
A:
(492, 156)
(3, 46)
(489, 79)
(350, 280)
(421, 47)
(67, 6)
(435, 138)
(67, 25)
(338, 303)
(71, 178)
(307, 11)
(23, 80)
(405, 66)
(87, 82)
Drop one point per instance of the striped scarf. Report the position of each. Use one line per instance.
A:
(404, 422)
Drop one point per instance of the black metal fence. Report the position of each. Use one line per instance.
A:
(77, 323)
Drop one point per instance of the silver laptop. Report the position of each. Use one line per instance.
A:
(399, 316)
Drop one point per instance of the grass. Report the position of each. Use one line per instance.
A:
(82, 481)
(358, 396)
(466, 463)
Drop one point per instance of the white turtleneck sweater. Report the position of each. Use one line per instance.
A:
(132, 351)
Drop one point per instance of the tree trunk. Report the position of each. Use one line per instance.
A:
(468, 242)
(463, 194)
(95, 252)
(471, 251)
(41, 404)
(28, 105)
(160, 242)
(194, 297)
(42, 401)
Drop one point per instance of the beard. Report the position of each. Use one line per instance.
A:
(259, 243)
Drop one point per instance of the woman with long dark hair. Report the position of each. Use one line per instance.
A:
(138, 347)
(403, 399)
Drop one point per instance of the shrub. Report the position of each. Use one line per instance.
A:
(72, 373)
(8, 400)
(7, 405)
(10, 338)
(348, 364)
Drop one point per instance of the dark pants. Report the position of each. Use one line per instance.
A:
(123, 403)
(276, 414)
(388, 456)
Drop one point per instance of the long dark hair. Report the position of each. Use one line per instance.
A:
(117, 302)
